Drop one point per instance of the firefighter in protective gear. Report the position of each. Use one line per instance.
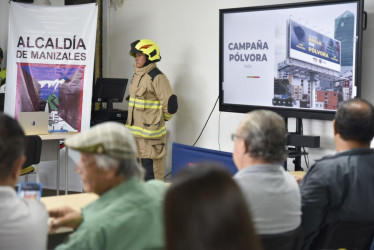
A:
(2, 82)
(2, 71)
(151, 104)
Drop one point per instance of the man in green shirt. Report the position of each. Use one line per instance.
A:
(128, 214)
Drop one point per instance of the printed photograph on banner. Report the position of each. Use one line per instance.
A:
(53, 88)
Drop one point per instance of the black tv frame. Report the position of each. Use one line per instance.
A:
(291, 112)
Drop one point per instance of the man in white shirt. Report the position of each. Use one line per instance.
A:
(272, 194)
(23, 223)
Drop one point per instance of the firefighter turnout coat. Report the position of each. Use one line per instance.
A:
(150, 92)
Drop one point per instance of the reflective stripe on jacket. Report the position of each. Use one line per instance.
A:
(139, 103)
(147, 133)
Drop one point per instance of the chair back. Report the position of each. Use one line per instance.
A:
(348, 235)
(291, 240)
(33, 150)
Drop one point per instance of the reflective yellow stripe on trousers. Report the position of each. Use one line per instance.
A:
(139, 103)
(147, 133)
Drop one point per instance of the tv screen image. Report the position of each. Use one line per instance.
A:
(300, 60)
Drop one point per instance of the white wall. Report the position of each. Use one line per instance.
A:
(187, 33)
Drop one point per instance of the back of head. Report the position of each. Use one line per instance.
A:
(12, 144)
(265, 135)
(354, 120)
(205, 210)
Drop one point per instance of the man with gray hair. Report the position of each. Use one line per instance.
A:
(272, 194)
(128, 213)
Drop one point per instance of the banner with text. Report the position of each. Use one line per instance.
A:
(50, 63)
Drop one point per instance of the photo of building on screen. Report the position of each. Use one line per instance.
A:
(317, 72)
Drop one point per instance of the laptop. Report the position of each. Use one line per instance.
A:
(34, 123)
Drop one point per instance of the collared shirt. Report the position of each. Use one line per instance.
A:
(273, 197)
(129, 216)
(23, 223)
(338, 188)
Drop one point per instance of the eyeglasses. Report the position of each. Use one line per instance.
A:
(235, 136)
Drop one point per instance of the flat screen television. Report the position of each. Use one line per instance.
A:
(109, 90)
(300, 60)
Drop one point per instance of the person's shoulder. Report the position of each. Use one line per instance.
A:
(157, 184)
(36, 207)
(245, 180)
(326, 158)
(155, 187)
(329, 160)
(34, 204)
(35, 215)
(155, 72)
(239, 175)
(155, 191)
(325, 168)
(156, 75)
(339, 158)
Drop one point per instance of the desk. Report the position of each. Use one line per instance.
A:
(300, 174)
(59, 137)
(75, 201)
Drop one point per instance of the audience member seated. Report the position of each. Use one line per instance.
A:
(205, 210)
(340, 187)
(273, 195)
(23, 223)
(128, 213)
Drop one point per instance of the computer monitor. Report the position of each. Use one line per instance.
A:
(110, 90)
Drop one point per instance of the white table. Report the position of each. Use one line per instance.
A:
(57, 137)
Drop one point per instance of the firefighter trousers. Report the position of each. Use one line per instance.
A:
(151, 154)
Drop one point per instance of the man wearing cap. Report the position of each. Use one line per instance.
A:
(128, 213)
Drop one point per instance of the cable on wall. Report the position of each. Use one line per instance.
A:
(202, 132)
(206, 122)
(219, 130)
